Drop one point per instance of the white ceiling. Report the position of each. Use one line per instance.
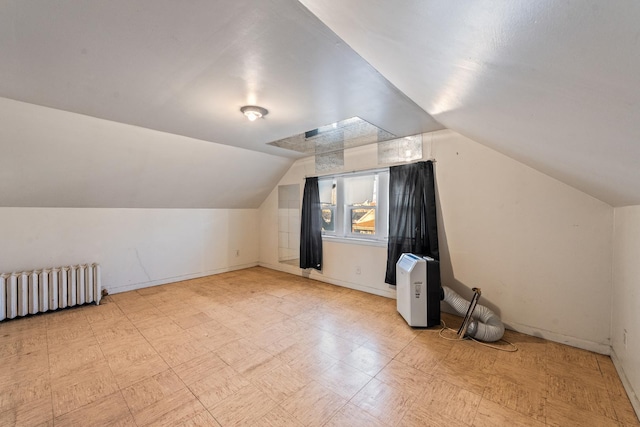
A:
(553, 84)
(187, 67)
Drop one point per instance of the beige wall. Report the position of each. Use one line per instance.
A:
(626, 299)
(136, 248)
(539, 249)
(340, 260)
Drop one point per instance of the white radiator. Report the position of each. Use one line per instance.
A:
(48, 289)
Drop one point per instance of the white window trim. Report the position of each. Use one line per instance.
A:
(354, 240)
(382, 211)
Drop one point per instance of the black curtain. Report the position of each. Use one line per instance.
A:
(412, 214)
(311, 227)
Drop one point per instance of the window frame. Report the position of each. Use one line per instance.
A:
(342, 211)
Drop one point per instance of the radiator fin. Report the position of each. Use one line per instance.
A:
(37, 291)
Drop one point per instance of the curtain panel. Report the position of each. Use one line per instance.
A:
(412, 214)
(311, 226)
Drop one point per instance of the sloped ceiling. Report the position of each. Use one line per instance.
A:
(553, 84)
(184, 69)
(53, 158)
(187, 68)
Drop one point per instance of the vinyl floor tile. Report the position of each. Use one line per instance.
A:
(20, 393)
(63, 363)
(151, 390)
(12, 344)
(265, 348)
(343, 379)
(581, 392)
(277, 417)
(314, 404)
(218, 386)
(199, 367)
(108, 411)
(517, 395)
(313, 363)
(199, 419)
(401, 376)
(388, 346)
(243, 407)
(34, 412)
(115, 331)
(256, 364)
(237, 350)
(181, 350)
(491, 414)
(280, 382)
(624, 412)
(418, 417)
(140, 369)
(367, 361)
(351, 415)
(383, 401)
(464, 375)
(420, 358)
(449, 400)
(169, 410)
(82, 387)
(563, 414)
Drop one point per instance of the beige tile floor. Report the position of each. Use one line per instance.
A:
(263, 348)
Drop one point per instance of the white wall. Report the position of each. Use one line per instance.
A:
(135, 247)
(340, 259)
(54, 158)
(626, 299)
(539, 249)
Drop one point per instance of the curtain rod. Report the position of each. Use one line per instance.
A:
(339, 174)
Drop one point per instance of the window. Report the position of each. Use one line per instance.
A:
(355, 205)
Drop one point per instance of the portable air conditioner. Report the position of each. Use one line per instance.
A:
(418, 290)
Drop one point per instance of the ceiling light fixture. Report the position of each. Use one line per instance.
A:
(253, 112)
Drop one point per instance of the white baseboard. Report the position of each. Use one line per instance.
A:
(547, 335)
(286, 268)
(164, 281)
(560, 338)
(633, 397)
(389, 293)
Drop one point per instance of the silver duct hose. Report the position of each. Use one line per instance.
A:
(486, 326)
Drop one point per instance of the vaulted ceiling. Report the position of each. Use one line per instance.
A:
(187, 67)
(551, 84)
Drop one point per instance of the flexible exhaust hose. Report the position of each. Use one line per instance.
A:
(486, 326)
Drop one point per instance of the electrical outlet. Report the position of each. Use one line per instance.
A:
(358, 271)
(624, 339)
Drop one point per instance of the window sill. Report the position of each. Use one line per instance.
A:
(354, 241)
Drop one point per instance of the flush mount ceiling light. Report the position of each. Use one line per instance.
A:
(253, 112)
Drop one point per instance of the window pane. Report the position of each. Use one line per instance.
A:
(360, 190)
(328, 193)
(327, 189)
(363, 221)
(328, 217)
(355, 205)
